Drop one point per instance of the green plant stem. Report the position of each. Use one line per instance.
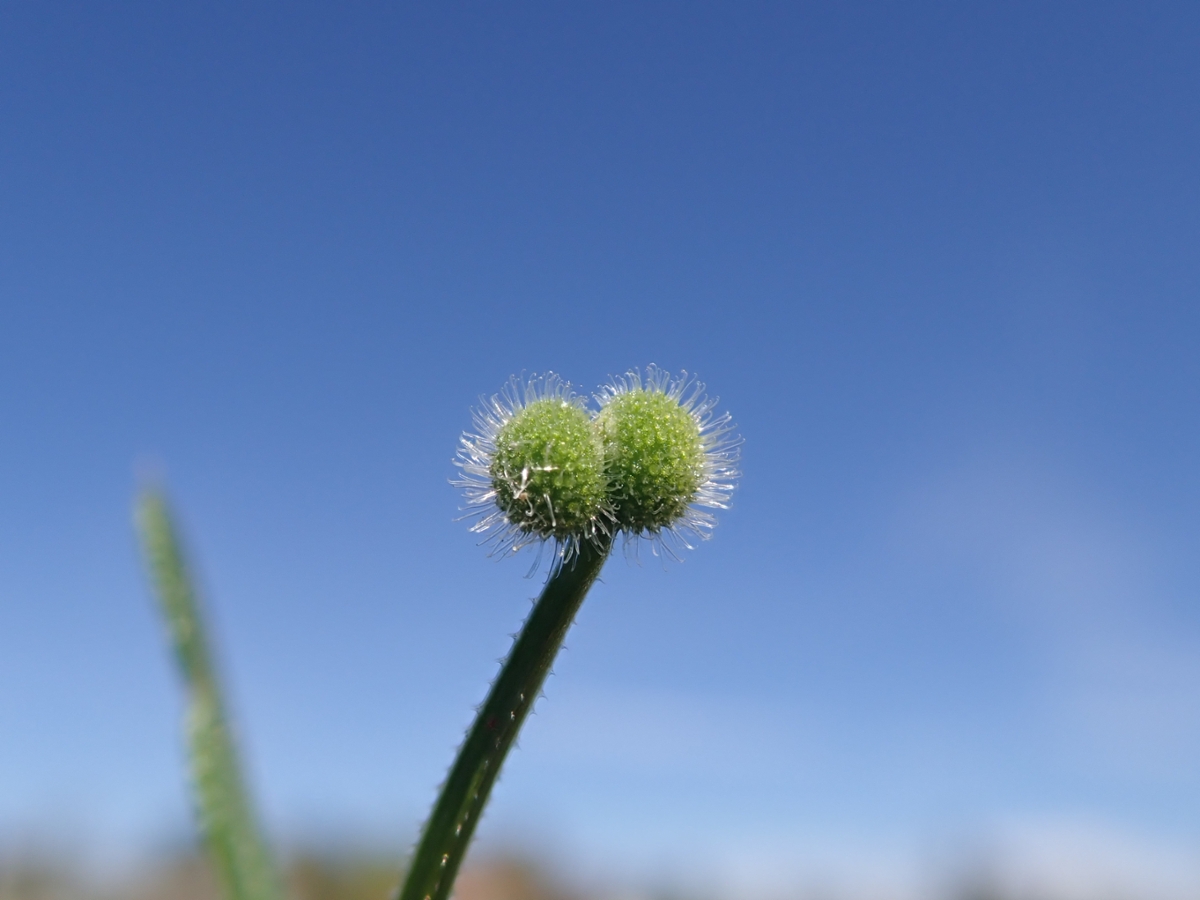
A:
(239, 855)
(465, 792)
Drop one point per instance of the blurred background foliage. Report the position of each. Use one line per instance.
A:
(309, 876)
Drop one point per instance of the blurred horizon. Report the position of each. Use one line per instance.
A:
(938, 261)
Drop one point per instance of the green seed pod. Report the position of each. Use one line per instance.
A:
(667, 456)
(548, 469)
(535, 468)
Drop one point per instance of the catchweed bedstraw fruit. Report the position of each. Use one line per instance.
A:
(652, 462)
(541, 468)
(533, 470)
(669, 458)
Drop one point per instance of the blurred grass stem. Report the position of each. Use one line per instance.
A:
(239, 856)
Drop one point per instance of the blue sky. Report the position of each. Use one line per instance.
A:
(938, 260)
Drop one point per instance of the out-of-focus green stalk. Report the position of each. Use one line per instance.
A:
(240, 857)
(447, 834)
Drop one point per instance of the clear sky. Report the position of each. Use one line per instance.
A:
(940, 261)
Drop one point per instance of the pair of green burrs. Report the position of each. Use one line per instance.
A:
(651, 462)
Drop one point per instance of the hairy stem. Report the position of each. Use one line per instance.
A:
(242, 862)
(465, 793)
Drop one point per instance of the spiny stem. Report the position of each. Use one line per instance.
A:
(241, 859)
(457, 810)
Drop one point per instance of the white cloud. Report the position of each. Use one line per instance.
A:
(1087, 589)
